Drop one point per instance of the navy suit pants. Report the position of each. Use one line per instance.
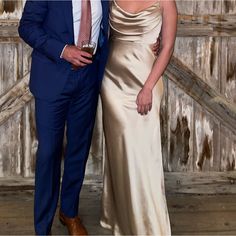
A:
(75, 109)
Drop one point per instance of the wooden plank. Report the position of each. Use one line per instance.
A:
(201, 92)
(207, 223)
(94, 165)
(195, 183)
(208, 8)
(212, 215)
(11, 146)
(228, 149)
(10, 65)
(193, 203)
(189, 24)
(229, 7)
(207, 60)
(10, 9)
(201, 182)
(164, 124)
(17, 210)
(180, 136)
(15, 99)
(20, 183)
(185, 7)
(228, 72)
(26, 61)
(29, 140)
(9, 30)
(206, 140)
(184, 46)
(184, 50)
(211, 24)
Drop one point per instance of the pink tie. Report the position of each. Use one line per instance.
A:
(85, 22)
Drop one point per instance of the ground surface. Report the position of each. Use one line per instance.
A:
(189, 213)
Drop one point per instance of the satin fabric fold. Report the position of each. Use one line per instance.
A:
(134, 201)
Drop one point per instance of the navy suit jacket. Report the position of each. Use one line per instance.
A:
(47, 26)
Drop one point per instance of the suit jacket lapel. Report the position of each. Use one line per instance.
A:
(105, 11)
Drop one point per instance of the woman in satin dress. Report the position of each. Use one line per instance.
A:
(134, 201)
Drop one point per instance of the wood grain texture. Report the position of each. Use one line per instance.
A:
(228, 72)
(97, 146)
(229, 7)
(207, 61)
(26, 59)
(11, 146)
(206, 140)
(10, 65)
(195, 183)
(164, 123)
(15, 99)
(198, 116)
(29, 141)
(228, 149)
(204, 25)
(185, 7)
(207, 7)
(184, 51)
(180, 127)
(204, 94)
(11, 9)
(212, 215)
(201, 182)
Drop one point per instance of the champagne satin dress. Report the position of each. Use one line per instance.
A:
(133, 200)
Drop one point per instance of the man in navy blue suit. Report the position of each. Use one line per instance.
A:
(65, 82)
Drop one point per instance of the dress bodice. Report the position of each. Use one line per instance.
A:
(144, 26)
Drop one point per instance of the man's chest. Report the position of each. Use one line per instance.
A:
(96, 10)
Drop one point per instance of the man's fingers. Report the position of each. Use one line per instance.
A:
(78, 63)
(85, 54)
(85, 60)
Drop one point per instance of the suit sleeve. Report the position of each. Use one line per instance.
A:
(32, 32)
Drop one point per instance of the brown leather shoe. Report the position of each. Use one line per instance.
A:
(74, 225)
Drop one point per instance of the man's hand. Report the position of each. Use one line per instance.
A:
(156, 48)
(76, 57)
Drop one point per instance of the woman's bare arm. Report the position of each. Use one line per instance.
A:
(169, 27)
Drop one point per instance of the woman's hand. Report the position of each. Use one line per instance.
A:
(144, 101)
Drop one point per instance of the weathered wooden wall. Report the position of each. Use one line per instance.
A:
(201, 132)
(198, 119)
(17, 134)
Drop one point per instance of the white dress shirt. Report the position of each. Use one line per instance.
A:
(96, 8)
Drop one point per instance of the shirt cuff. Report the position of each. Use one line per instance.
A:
(63, 50)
